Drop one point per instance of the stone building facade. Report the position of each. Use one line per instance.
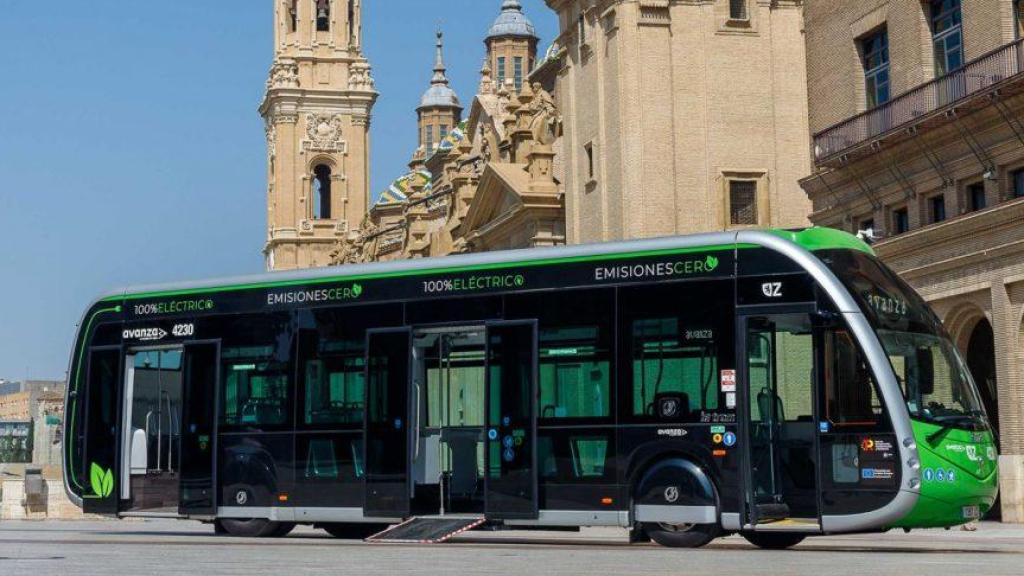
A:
(681, 116)
(645, 118)
(916, 113)
(317, 111)
(486, 182)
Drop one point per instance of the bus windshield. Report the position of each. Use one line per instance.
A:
(933, 376)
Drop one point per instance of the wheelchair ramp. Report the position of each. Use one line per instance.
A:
(427, 530)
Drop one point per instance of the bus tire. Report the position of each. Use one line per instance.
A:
(677, 481)
(283, 529)
(353, 531)
(252, 528)
(773, 541)
(682, 536)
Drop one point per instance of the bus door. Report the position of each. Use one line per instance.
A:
(510, 455)
(201, 366)
(387, 430)
(95, 406)
(151, 431)
(778, 384)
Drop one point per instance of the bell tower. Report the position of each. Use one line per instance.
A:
(316, 111)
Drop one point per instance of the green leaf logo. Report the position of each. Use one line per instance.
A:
(357, 290)
(711, 263)
(102, 481)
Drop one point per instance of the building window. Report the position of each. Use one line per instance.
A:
(581, 30)
(976, 196)
(428, 137)
(322, 192)
(352, 22)
(743, 202)
(867, 225)
(323, 15)
(1017, 181)
(900, 220)
(937, 208)
(442, 134)
(501, 71)
(589, 149)
(738, 10)
(293, 15)
(947, 35)
(876, 67)
(1018, 19)
(518, 73)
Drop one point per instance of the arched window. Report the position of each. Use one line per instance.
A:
(323, 15)
(322, 192)
(293, 15)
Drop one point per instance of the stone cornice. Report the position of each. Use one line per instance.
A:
(931, 239)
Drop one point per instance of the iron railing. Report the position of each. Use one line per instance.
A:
(975, 76)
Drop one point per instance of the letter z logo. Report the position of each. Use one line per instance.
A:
(772, 289)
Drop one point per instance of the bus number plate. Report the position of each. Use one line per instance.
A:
(183, 330)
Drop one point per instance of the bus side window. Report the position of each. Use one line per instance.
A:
(851, 397)
(332, 350)
(672, 377)
(575, 348)
(675, 342)
(258, 371)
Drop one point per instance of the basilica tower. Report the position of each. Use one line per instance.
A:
(317, 110)
(511, 46)
(439, 111)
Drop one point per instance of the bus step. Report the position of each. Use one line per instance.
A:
(427, 530)
(769, 512)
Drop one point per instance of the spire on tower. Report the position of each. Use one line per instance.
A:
(440, 94)
(440, 78)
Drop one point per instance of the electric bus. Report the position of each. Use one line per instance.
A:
(774, 384)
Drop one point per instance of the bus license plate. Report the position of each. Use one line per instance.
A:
(971, 513)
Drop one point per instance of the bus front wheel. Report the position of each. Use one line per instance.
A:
(253, 528)
(682, 535)
(769, 541)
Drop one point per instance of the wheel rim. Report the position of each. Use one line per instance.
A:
(676, 528)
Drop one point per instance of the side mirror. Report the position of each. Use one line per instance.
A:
(925, 371)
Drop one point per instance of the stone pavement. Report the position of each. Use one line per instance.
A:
(170, 547)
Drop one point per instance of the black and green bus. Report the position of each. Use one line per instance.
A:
(776, 384)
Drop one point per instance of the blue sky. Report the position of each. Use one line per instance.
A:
(131, 150)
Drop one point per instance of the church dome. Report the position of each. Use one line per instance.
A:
(512, 22)
(440, 96)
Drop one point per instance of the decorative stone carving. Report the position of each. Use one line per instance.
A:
(486, 82)
(283, 74)
(285, 118)
(324, 133)
(271, 131)
(546, 120)
(359, 77)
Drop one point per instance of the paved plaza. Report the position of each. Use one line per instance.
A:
(169, 547)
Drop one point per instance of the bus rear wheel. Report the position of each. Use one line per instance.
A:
(682, 535)
(773, 541)
(253, 528)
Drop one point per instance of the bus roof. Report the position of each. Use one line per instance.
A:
(811, 239)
